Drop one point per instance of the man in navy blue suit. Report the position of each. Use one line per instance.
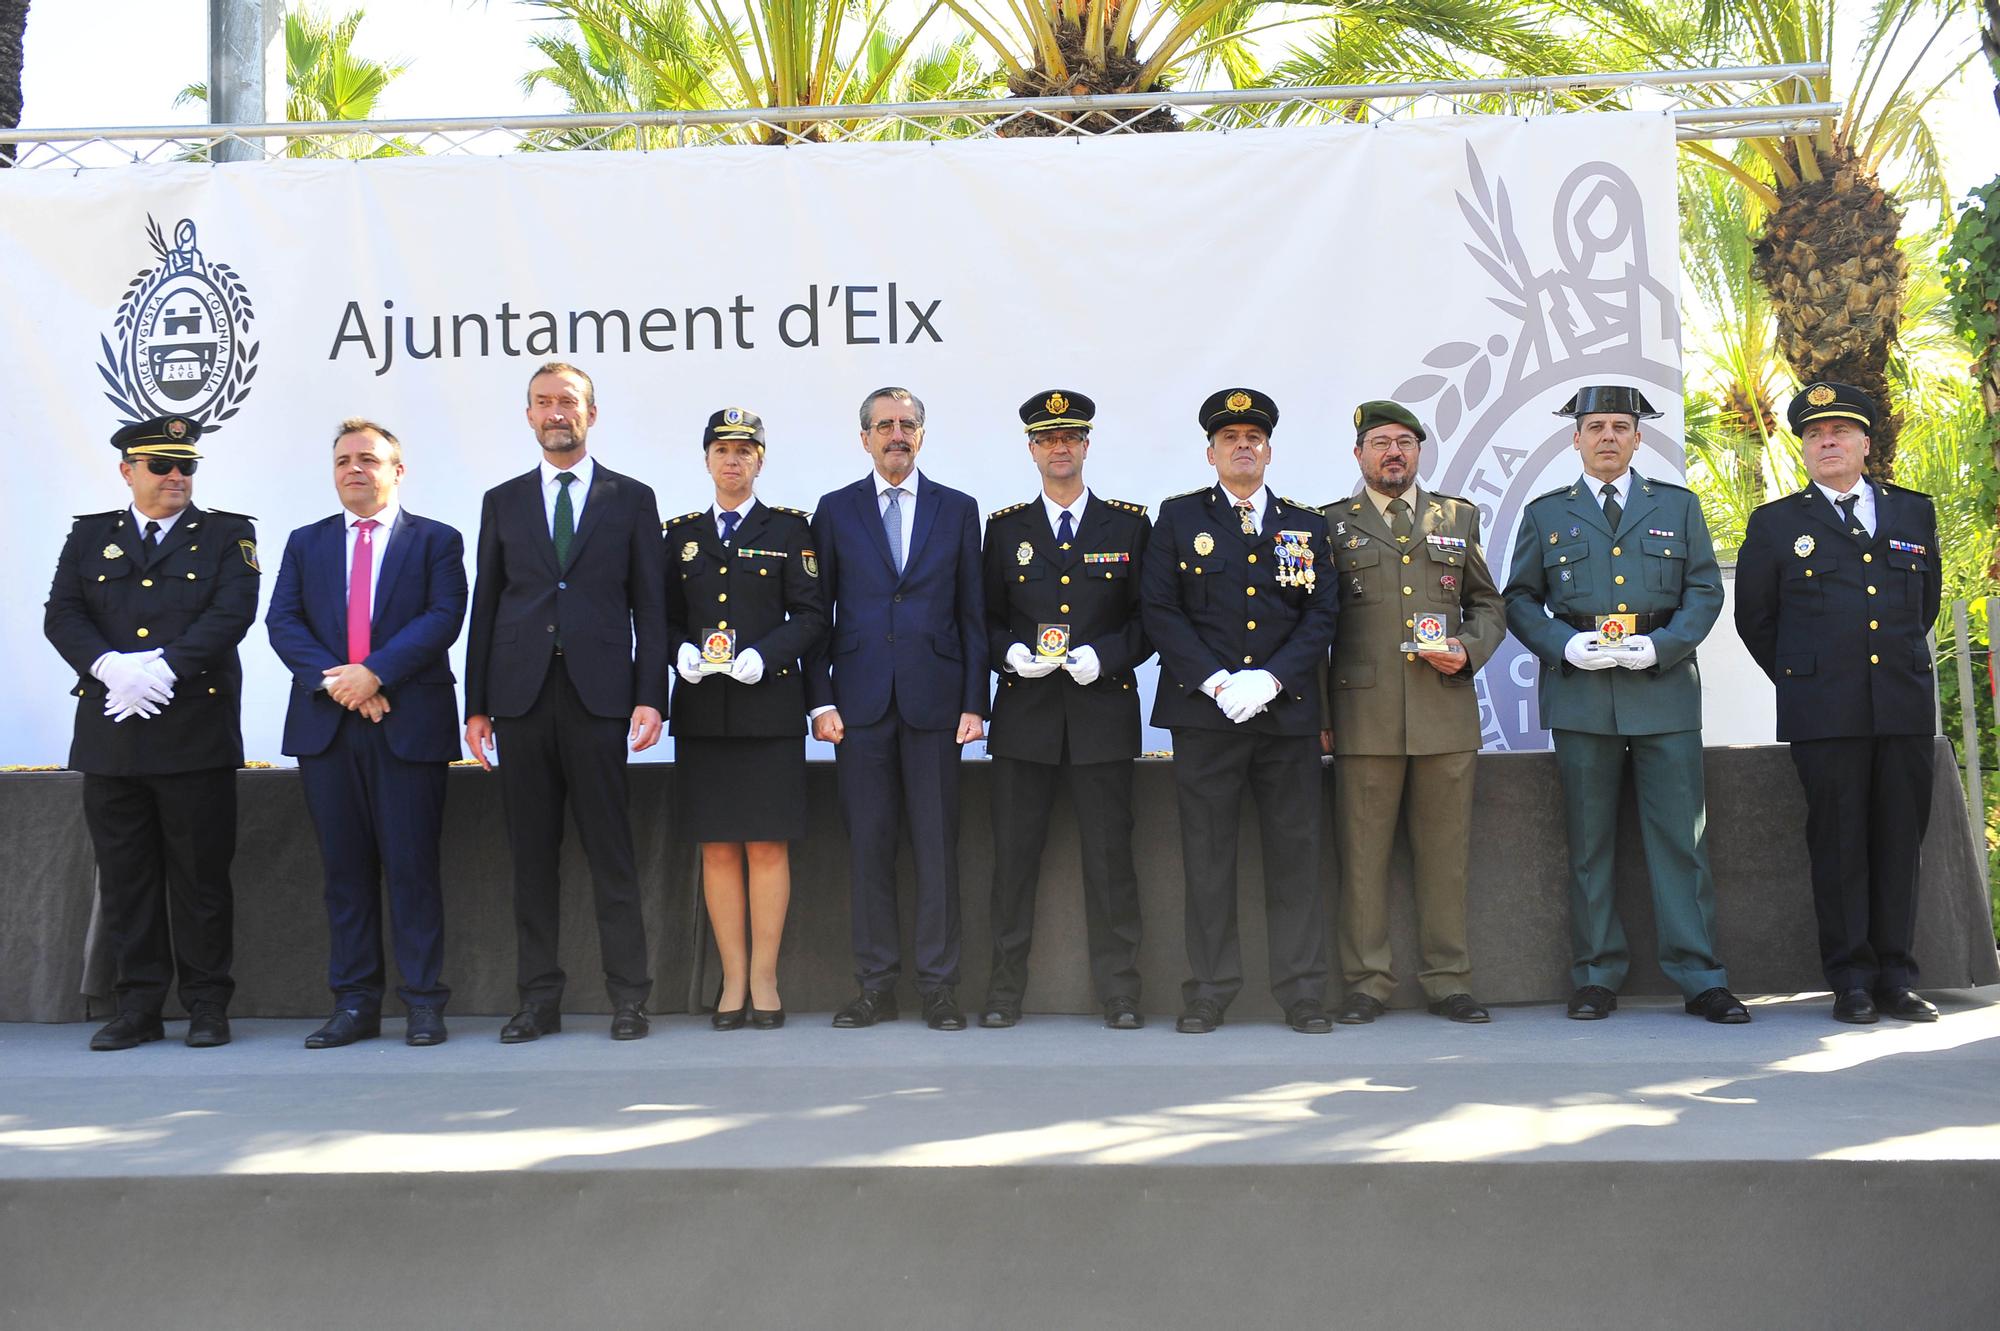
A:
(367, 604)
(898, 687)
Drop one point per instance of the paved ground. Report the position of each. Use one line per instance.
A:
(1650, 1084)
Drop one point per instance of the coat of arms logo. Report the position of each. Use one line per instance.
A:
(180, 343)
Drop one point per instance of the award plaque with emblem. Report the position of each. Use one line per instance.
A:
(1613, 630)
(1430, 634)
(718, 650)
(1052, 642)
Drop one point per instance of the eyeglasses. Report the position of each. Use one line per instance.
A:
(887, 428)
(1385, 445)
(161, 466)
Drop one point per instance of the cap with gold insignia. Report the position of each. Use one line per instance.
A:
(1058, 409)
(161, 437)
(1618, 399)
(1238, 406)
(1824, 398)
(734, 423)
(1383, 412)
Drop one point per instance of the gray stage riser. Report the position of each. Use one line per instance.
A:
(1410, 1246)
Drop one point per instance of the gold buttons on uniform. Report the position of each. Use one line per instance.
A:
(1253, 559)
(1249, 591)
(144, 633)
(1406, 559)
(1871, 591)
(145, 582)
(1621, 607)
(211, 690)
(1248, 659)
(1183, 565)
(722, 596)
(1616, 551)
(1867, 559)
(1874, 660)
(1873, 624)
(1619, 579)
(1667, 550)
(1409, 623)
(1063, 609)
(1408, 591)
(1560, 559)
(1409, 656)
(1251, 624)
(763, 572)
(100, 577)
(190, 577)
(1065, 579)
(722, 623)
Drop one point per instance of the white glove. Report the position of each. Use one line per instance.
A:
(1027, 665)
(160, 670)
(126, 678)
(1247, 693)
(688, 662)
(1638, 652)
(124, 709)
(1083, 666)
(748, 667)
(1583, 653)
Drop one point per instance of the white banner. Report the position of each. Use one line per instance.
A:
(1477, 269)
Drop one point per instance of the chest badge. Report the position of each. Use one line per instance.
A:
(689, 551)
(1204, 544)
(1024, 554)
(113, 552)
(1803, 546)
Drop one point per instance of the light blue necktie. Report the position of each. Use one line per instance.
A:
(729, 520)
(892, 526)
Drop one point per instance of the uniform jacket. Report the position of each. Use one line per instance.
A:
(419, 609)
(765, 585)
(1839, 622)
(918, 637)
(1567, 560)
(1094, 588)
(1213, 601)
(195, 599)
(1382, 700)
(608, 607)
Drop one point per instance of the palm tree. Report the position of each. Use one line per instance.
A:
(1972, 272)
(13, 31)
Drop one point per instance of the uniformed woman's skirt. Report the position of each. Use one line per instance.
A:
(740, 789)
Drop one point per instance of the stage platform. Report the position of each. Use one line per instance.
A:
(1649, 1170)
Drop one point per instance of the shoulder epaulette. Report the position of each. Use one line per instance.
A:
(1551, 494)
(1671, 485)
(114, 513)
(685, 517)
(1455, 499)
(1299, 503)
(1140, 509)
(225, 513)
(1186, 494)
(1011, 508)
(793, 512)
(1903, 489)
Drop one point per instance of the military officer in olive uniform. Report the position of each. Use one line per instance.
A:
(1836, 588)
(1062, 620)
(1612, 586)
(148, 604)
(1419, 615)
(1235, 597)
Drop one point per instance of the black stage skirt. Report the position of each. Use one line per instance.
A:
(740, 789)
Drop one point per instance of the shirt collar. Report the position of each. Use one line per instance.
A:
(166, 523)
(908, 483)
(742, 512)
(583, 471)
(387, 516)
(1382, 501)
(1260, 502)
(1055, 510)
(1595, 488)
(1834, 496)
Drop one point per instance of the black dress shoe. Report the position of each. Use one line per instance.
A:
(344, 1027)
(866, 1008)
(424, 1028)
(1308, 1017)
(128, 1030)
(1358, 1009)
(1123, 1014)
(767, 1019)
(208, 1027)
(1905, 1005)
(1854, 1007)
(1593, 1002)
(1719, 1006)
(1461, 1007)
(1201, 1017)
(531, 1023)
(731, 1020)
(941, 1010)
(999, 1016)
(629, 1023)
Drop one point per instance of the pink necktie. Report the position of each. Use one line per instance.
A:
(358, 580)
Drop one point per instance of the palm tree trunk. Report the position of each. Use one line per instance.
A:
(13, 30)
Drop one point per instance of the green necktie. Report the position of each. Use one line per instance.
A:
(1613, 513)
(1399, 519)
(565, 519)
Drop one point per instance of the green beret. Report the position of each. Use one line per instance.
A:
(1383, 412)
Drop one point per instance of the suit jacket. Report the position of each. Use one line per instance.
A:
(1568, 561)
(1217, 599)
(765, 585)
(608, 608)
(1839, 623)
(918, 637)
(1384, 700)
(419, 609)
(1093, 587)
(195, 599)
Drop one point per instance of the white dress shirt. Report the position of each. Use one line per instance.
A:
(742, 513)
(1258, 502)
(166, 523)
(1864, 512)
(579, 490)
(1623, 485)
(906, 506)
(1075, 511)
(379, 539)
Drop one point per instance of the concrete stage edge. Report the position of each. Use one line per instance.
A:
(1649, 1170)
(1517, 908)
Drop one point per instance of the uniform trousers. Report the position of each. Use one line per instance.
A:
(559, 752)
(892, 773)
(164, 845)
(1673, 826)
(1868, 802)
(1370, 792)
(1023, 794)
(378, 818)
(1212, 770)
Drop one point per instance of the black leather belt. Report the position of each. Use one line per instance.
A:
(1644, 623)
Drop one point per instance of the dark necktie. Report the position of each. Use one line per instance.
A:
(152, 541)
(1399, 520)
(1248, 516)
(1065, 531)
(1612, 512)
(1846, 505)
(729, 521)
(892, 525)
(565, 518)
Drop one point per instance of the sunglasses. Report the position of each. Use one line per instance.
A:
(161, 466)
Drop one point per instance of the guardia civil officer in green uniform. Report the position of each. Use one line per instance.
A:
(148, 604)
(1235, 597)
(1062, 625)
(743, 605)
(1837, 587)
(1612, 586)
(1419, 615)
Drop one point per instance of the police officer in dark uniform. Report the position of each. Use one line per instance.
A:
(1836, 588)
(1062, 618)
(147, 605)
(743, 605)
(1236, 598)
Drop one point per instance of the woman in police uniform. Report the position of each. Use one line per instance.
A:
(743, 605)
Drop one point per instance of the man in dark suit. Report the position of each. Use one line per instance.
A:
(566, 667)
(147, 605)
(1235, 596)
(1063, 632)
(367, 604)
(898, 688)
(1836, 588)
